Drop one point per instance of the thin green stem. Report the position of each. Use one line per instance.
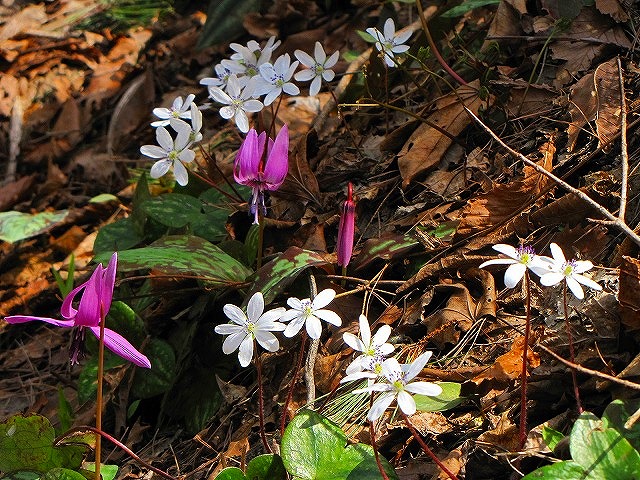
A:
(572, 355)
(426, 449)
(99, 393)
(263, 435)
(523, 378)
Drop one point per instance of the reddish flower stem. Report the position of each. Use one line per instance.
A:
(426, 448)
(523, 377)
(263, 436)
(294, 378)
(572, 355)
(372, 433)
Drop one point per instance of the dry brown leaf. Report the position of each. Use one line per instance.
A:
(629, 295)
(506, 22)
(502, 205)
(425, 148)
(607, 86)
(508, 367)
(504, 436)
(583, 107)
(613, 8)
(29, 17)
(14, 192)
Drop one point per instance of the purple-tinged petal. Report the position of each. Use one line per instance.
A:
(346, 229)
(14, 319)
(277, 164)
(67, 310)
(247, 159)
(514, 274)
(406, 403)
(109, 282)
(121, 347)
(88, 314)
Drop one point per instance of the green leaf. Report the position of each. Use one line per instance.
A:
(120, 235)
(224, 21)
(62, 474)
(366, 36)
(65, 411)
(231, 473)
(603, 452)
(107, 472)
(266, 467)
(314, 448)
(448, 399)
(184, 255)
(280, 272)
(551, 437)
(16, 226)
(467, 6)
(126, 322)
(558, 471)
(616, 415)
(87, 381)
(104, 198)
(173, 210)
(149, 383)
(21, 476)
(251, 243)
(26, 443)
(386, 247)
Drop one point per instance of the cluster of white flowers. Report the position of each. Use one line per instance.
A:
(249, 75)
(394, 379)
(176, 151)
(551, 270)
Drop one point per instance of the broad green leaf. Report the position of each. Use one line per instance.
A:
(230, 473)
(16, 226)
(26, 443)
(184, 255)
(224, 21)
(266, 467)
(448, 399)
(21, 476)
(120, 235)
(62, 474)
(149, 383)
(558, 471)
(386, 247)
(107, 472)
(173, 209)
(603, 452)
(551, 437)
(314, 448)
(366, 36)
(616, 415)
(251, 243)
(467, 6)
(65, 412)
(103, 198)
(280, 272)
(126, 322)
(87, 381)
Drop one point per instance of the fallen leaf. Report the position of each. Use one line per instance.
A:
(613, 8)
(629, 295)
(508, 367)
(607, 86)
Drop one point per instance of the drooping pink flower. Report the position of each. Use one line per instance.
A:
(262, 170)
(93, 307)
(346, 229)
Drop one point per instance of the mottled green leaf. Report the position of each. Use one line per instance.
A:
(387, 247)
(224, 21)
(88, 379)
(157, 380)
(16, 226)
(173, 209)
(103, 198)
(62, 474)
(120, 235)
(280, 272)
(467, 6)
(184, 255)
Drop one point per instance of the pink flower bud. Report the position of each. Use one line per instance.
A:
(344, 248)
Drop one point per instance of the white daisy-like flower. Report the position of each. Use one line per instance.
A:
(318, 68)
(309, 313)
(389, 43)
(255, 325)
(171, 152)
(247, 60)
(398, 385)
(179, 109)
(374, 349)
(570, 271)
(275, 79)
(519, 260)
(237, 101)
(222, 78)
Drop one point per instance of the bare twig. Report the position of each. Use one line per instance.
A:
(612, 220)
(623, 146)
(310, 364)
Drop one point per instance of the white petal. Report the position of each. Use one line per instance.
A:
(294, 327)
(268, 341)
(187, 156)
(557, 253)
(424, 388)
(389, 29)
(329, 317)
(289, 315)
(271, 96)
(290, 89)
(386, 349)
(235, 314)
(406, 403)
(380, 405)
(227, 329)
(314, 88)
(314, 327)
(296, 303)
(245, 353)
(357, 375)
(271, 316)
(587, 281)
(498, 261)
(357, 365)
(514, 274)
(583, 266)
(160, 168)
(255, 307)
(400, 48)
(228, 112)
(219, 95)
(575, 288)
(417, 365)
(180, 173)
(402, 37)
(242, 121)
(233, 341)
(507, 250)
(552, 278)
(252, 106)
(365, 330)
(328, 75)
(354, 342)
(305, 75)
(382, 335)
(332, 60)
(319, 53)
(324, 298)
(153, 151)
(164, 139)
(304, 58)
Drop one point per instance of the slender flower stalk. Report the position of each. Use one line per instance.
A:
(262, 165)
(346, 230)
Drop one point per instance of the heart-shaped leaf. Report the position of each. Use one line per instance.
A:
(449, 398)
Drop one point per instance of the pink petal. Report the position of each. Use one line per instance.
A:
(277, 165)
(346, 231)
(14, 319)
(121, 347)
(89, 314)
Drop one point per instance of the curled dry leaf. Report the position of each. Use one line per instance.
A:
(508, 367)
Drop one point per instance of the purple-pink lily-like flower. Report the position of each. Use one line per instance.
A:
(262, 170)
(93, 307)
(346, 230)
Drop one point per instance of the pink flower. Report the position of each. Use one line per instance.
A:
(252, 170)
(93, 307)
(344, 248)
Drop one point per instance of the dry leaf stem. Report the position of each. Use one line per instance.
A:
(612, 220)
(623, 145)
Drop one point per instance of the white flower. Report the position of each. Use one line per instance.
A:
(237, 101)
(171, 152)
(310, 313)
(245, 328)
(374, 350)
(570, 272)
(318, 68)
(179, 109)
(196, 124)
(248, 59)
(222, 77)
(275, 79)
(390, 42)
(519, 260)
(398, 385)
